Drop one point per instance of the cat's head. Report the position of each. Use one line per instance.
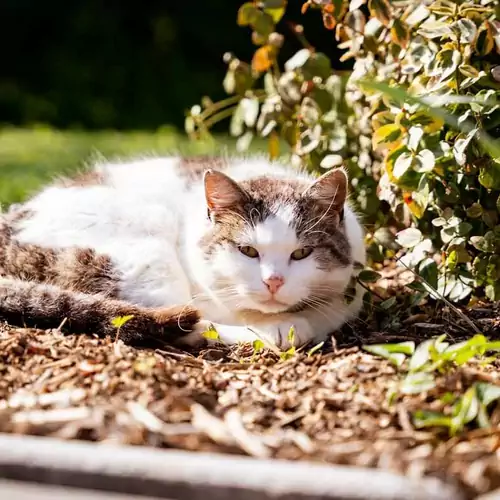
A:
(277, 244)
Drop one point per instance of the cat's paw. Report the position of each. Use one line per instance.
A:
(282, 336)
(196, 338)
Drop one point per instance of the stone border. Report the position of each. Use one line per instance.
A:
(181, 475)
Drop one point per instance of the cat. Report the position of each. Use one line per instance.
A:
(250, 246)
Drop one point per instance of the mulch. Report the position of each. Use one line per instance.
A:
(330, 406)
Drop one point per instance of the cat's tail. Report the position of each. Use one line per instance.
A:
(40, 305)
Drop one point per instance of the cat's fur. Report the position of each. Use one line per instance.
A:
(160, 239)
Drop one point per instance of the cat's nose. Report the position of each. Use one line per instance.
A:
(274, 282)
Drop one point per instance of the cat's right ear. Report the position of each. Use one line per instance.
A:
(221, 192)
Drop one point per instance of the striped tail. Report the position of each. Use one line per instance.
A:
(41, 305)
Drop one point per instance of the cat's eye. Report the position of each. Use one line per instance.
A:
(301, 253)
(249, 252)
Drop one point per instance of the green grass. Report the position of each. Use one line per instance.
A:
(31, 157)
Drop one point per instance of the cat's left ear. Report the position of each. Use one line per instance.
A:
(221, 192)
(330, 189)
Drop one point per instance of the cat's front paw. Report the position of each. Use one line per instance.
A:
(282, 335)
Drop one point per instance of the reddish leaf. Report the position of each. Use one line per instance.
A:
(263, 58)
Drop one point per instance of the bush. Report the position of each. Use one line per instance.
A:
(416, 122)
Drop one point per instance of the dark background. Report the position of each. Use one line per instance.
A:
(98, 64)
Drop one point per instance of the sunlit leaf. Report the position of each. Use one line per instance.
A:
(400, 33)
(211, 333)
(119, 321)
(415, 383)
(402, 164)
(275, 8)
(381, 9)
(387, 135)
(331, 161)
(395, 353)
(485, 40)
(421, 355)
(467, 29)
(315, 348)
(263, 58)
(257, 345)
(487, 393)
(425, 161)
(247, 14)
(424, 418)
(274, 145)
(408, 238)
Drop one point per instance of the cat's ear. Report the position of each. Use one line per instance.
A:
(330, 189)
(221, 192)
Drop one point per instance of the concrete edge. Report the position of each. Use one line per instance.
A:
(32, 491)
(181, 475)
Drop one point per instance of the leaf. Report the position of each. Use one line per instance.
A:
(386, 135)
(263, 58)
(298, 60)
(388, 303)
(211, 333)
(247, 14)
(488, 143)
(428, 271)
(356, 4)
(415, 135)
(424, 161)
(448, 61)
(250, 110)
(369, 276)
(467, 30)
(257, 345)
(419, 14)
(487, 393)
(380, 9)
(314, 349)
(460, 147)
(243, 142)
(443, 8)
(382, 118)
(290, 353)
(466, 410)
(489, 176)
(393, 352)
(468, 71)
(475, 210)
(429, 123)
(119, 321)
(274, 145)
(425, 418)
(408, 238)
(275, 8)
(485, 40)
(402, 164)
(331, 161)
(415, 383)
(263, 25)
(400, 34)
(291, 335)
(421, 355)
(434, 29)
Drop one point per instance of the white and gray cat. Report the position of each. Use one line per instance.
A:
(251, 246)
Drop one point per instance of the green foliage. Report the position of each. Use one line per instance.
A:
(119, 321)
(211, 333)
(416, 122)
(435, 356)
